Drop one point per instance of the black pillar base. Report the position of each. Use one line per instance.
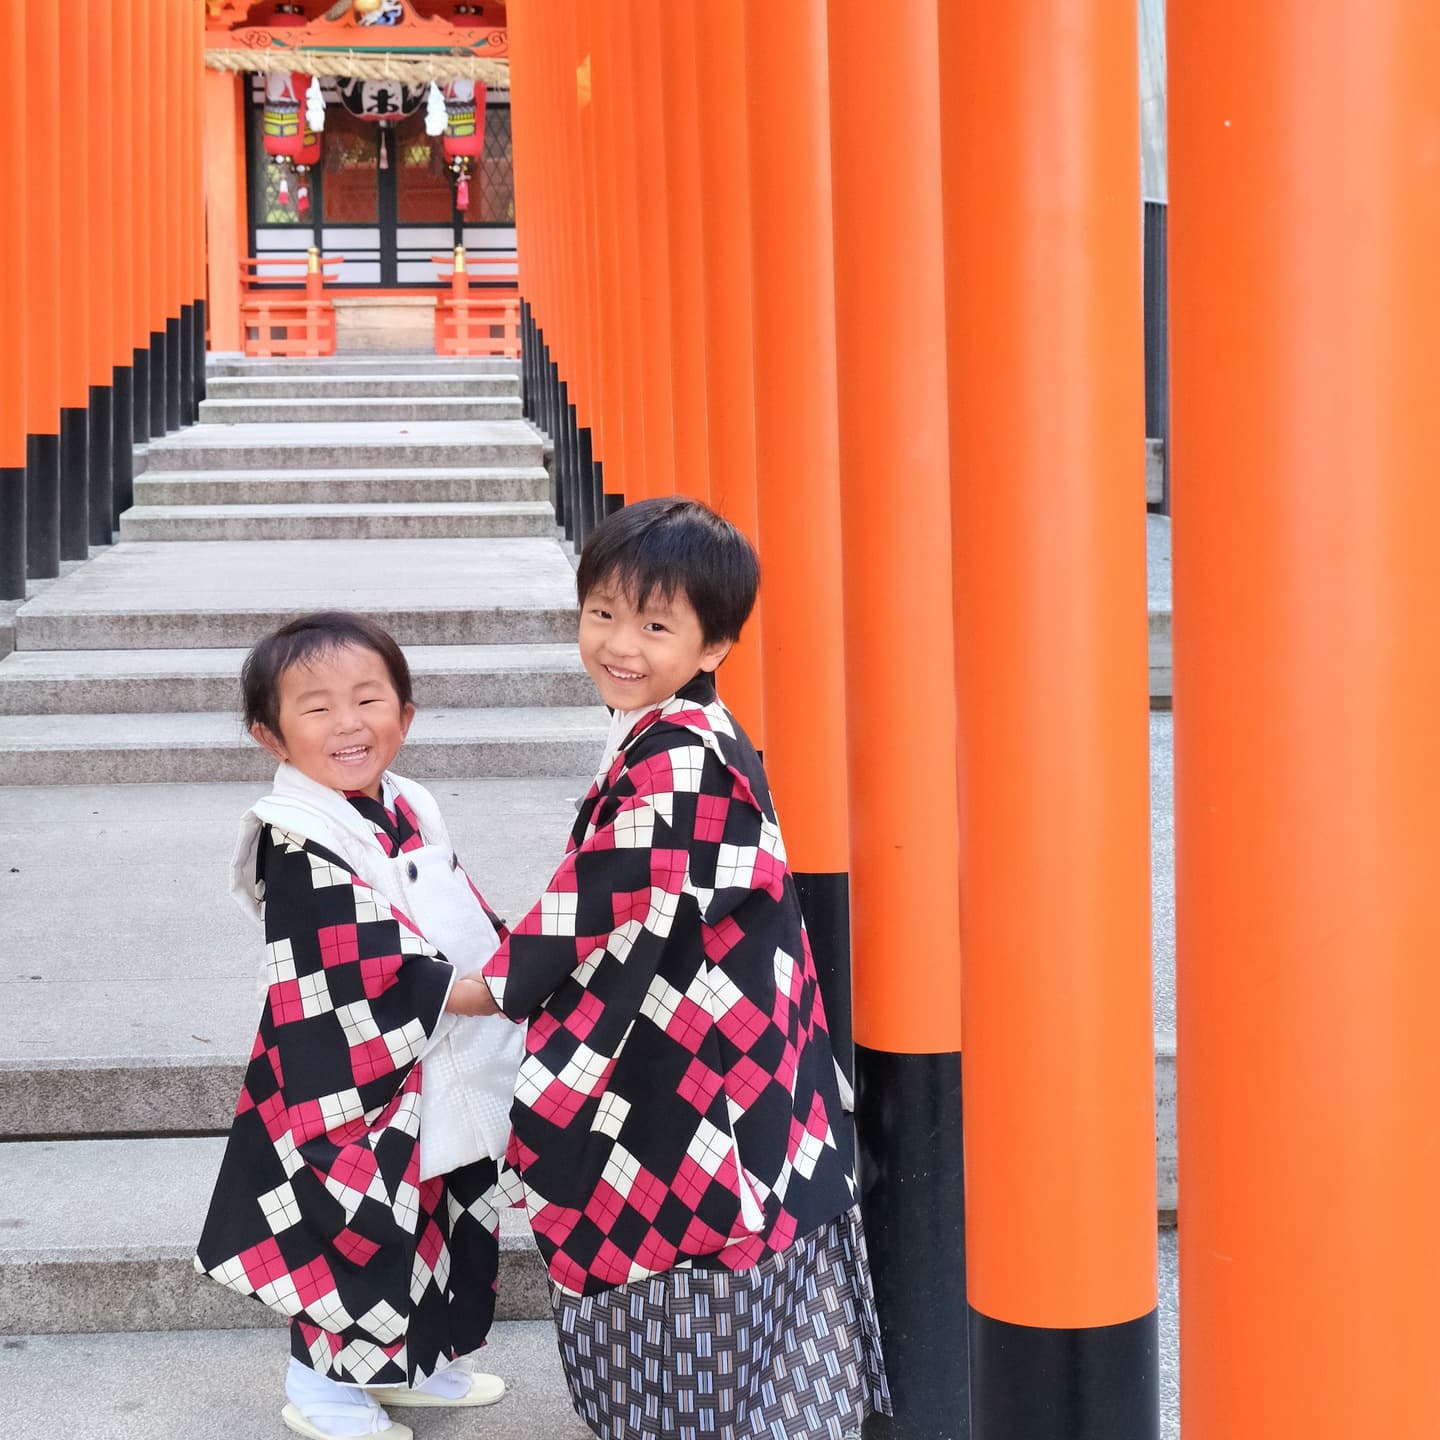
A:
(825, 904)
(612, 503)
(564, 459)
(188, 406)
(74, 484)
(912, 1196)
(570, 421)
(42, 506)
(102, 464)
(124, 444)
(174, 373)
(197, 311)
(141, 411)
(586, 498)
(12, 532)
(159, 384)
(1031, 1383)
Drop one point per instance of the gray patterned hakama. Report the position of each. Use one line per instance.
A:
(787, 1350)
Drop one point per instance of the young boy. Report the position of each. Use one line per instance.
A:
(678, 1131)
(356, 1195)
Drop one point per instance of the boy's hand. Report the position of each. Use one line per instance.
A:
(470, 995)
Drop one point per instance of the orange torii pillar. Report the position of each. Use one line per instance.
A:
(724, 172)
(138, 80)
(76, 263)
(99, 181)
(586, 240)
(611, 359)
(535, 229)
(1305, 302)
(626, 340)
(904, 894)
(194, 70)
(796, 445)
(654, 393)
(155, 137)
(14, 333)
(124, 251)
(681, 132)
(172, 90)
(1040, 139)
(44, 338)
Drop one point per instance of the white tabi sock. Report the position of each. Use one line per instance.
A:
(325, 1402)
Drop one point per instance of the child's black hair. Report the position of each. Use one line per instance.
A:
(303, 639)
(671, 545)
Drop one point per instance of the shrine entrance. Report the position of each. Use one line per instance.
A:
(381, 196)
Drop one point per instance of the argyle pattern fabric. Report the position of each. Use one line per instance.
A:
(788, 1349)
(319, 1211)
(678, 1095)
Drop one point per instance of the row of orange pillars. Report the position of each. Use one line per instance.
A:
(102, 264)
(869, 281)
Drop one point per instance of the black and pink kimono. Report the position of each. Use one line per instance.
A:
(679, 1138)
(319, 1210)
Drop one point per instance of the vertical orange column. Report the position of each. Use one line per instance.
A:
(724, 208)
(653, 249)
(123, 150)
(155, 137)
(171, 197)
(141, 78)
(76, 353)
(1040, 146)
(629, 335)
(585, 241)
(796, 468)
(14, 331)
(681, 110)
(224, 138)
(44, 335)
(100, 259)
(611, 357)
(1305, 304)
(895, 498)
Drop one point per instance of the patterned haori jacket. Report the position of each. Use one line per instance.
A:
(319, 1210)
(678, 1100)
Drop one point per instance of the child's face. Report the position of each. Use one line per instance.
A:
(639, 658)
(341, 722)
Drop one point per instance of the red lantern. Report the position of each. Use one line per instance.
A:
(464, 134)
(289, 140)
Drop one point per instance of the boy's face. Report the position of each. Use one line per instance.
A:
(341, 722)
(639, 658)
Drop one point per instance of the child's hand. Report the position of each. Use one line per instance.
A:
(470, 995)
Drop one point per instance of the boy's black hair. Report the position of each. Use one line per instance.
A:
(671, 545)
(303, 639)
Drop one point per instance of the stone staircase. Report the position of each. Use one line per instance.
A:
(129, 980)
(411, 491)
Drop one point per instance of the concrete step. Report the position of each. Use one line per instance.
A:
(339, 521)
(140, 1023)
(117, 682)
(230, 1387)
(403, 410)
(99, 1235)
(76, 1268)
(399, 384)
(397, 362)
(170, 749)
(352, 445)
(345, 487)
(150, 595)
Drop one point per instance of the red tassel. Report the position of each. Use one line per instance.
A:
(462, 193)
(302, 199)
(284, 196)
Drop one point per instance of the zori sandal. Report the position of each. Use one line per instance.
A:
(484, 1390)
(304, 1422)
